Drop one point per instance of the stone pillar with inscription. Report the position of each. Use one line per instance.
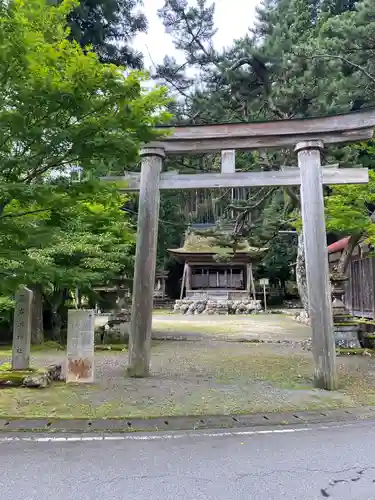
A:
(80, 346)
(22, 329)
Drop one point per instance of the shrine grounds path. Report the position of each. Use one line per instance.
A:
(221, 365)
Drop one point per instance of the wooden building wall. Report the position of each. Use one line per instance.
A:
(360, 289)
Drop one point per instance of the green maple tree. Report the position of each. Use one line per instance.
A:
(61, 107)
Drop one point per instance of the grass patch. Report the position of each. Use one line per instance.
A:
(186, 327)
(198, 379)
(111, 347)
(54, 347)
(354, 351)
(163, 312)
(262, 324)
(49, 346)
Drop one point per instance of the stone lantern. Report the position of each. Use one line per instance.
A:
(344, 326)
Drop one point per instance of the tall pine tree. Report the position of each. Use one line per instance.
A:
(110, 27)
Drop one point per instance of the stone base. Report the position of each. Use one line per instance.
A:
(118, 334)
(116, 331)
(189, 306)
(346, 335)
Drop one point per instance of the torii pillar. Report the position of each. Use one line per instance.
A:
(317, 273)
(145, 262)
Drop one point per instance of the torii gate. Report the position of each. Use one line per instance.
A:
(307, 137)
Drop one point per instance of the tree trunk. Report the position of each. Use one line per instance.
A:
(347, 253)
(301, 274)
(37, 330)
(56, 322)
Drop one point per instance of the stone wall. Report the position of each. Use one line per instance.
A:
(189, 306)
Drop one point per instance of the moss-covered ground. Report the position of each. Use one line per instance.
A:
(206, 376)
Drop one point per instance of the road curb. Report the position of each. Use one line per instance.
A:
(235, 421)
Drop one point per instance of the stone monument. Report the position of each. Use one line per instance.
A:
(22, 329)
(80, 346)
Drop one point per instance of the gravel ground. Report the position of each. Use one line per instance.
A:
(207, 376)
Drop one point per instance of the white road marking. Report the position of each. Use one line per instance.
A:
(149, 437)
(164, 436)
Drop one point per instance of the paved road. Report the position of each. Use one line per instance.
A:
(335, 462)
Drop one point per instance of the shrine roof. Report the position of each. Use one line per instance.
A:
(198, 244)
(338, 246)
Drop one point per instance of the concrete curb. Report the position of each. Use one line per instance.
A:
(117, 425)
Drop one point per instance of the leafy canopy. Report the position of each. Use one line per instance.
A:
(109, 26)
(59, 106)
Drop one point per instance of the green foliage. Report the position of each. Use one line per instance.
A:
(171, 227)
(302, 58)
(350, 209)
(92, 243)
(62, 107)
(81, 237)
(109, 26)
(59, 106)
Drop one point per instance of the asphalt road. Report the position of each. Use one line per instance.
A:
(337, 462)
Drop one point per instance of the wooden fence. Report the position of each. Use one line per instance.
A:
(360, 288)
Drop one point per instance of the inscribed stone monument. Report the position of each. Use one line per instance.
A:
(22, 329)
(80, 346)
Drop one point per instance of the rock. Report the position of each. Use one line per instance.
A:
(302, 317)
(55, 372)
(37, 380)
(116, 331)
(200, 308)
(306, 345)
(31, 378)
(195, 307)
(117, 318)
(99, 334)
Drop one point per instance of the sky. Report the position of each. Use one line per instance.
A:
(233, 18)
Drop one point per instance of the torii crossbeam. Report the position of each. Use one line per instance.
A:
(308, 138)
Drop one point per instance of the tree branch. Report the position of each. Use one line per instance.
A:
(293, 195)
(21, 214)
(255, 63)
(347, 61)
(347, 253)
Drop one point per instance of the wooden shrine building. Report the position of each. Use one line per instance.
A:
(210, 273)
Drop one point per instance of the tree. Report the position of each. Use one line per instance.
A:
(109, 26)
(59, 107)
(347, 42)
(93, 244)
(80, 239)
(303, 58)
(350, 211)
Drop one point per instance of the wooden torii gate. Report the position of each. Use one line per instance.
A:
(307, 137)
